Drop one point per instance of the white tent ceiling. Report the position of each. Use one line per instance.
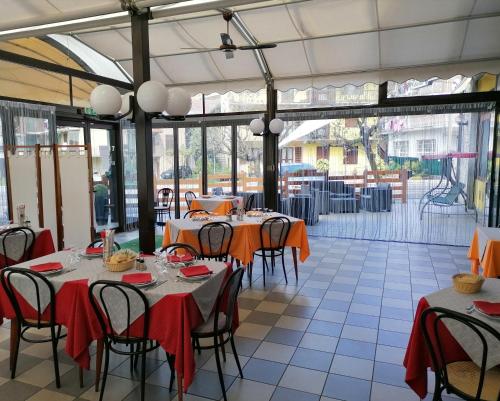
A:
(320, 42)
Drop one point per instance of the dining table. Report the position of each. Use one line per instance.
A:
(217, 204)
(460, 344)
(246, 235)
(484, 251)
(177, 306)
(43, 244)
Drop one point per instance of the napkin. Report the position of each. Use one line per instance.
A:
(137, 278)
(94, 251)
(179, 258)
(46, 267)
(490, 308)
(194, 271)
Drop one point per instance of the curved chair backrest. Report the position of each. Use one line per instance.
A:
(249, 202)
(217, 191)
(430, 322)
(18, 281)
(16, 245)
(189, 196)
(165, 197)
(190, 213)
(274, 232)
(172, 249)
(98, 243)
(214, 240)
(104, 294)
(233, 211)
(228, 296)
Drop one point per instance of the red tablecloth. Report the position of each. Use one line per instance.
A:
(418, 360)
(43, 245)
(171, 322)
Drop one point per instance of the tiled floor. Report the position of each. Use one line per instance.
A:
(338, 334)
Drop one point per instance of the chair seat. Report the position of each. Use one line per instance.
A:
(464, 376)
(207, 327)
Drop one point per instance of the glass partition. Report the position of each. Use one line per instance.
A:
(163, 160)
(249, 175)
(190, 163)
(219, 160)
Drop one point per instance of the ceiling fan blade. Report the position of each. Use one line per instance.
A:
(200, 48)
(229, 54)
(259, 46)
(226, 39)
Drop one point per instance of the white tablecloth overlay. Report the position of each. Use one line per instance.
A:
(210, 204)
(468, 340)
(15, 243)
(204, 292)
(485, 234)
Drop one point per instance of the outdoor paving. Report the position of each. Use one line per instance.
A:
(339, 333)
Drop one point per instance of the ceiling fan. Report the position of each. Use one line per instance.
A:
(227, 46)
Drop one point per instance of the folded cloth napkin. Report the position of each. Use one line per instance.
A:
(194, 271)
(490, 308)
(137, 278)
(94, 251)
(179, 258)
(46, 267)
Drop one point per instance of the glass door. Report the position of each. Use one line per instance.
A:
(105, 177)
(219, 160)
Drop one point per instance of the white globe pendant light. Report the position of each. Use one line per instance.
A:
(152, 97)
(178, 102)
(126, 104)
(105, 100)
(276, 126)
(257, 126)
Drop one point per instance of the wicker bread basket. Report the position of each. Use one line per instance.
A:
(120, 267)
(467, 283)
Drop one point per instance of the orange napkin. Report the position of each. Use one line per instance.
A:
(179, 258)
(490, 308)
(94, 251)
(194, 271)
(137, 278)
(46, 267)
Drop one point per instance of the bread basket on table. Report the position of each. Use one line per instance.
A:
(121, 261)
(466, 283)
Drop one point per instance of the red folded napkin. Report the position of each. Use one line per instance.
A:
(490, 308)
(137, 278)
(194, 271)
(93, 251)
(46, 267)
(179, 258)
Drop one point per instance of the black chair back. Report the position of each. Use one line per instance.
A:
(233, 211)
(430, 321)
(104, 293)
(171, 249)
(98, 243)
(23, 237)
(217, 191)
(274, 233)
(228, 297)
(190, 213)
(214, 240)
(165, 197)
(249, 202)
(33, 283)
(189, 196)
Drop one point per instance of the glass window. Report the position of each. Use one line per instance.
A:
(70, 135)
(287, 155)
(163, 159)
(426, 146)
(350, 154)
(219, 164)
(4, 205)
(190, 164)
(433, 86)
(31, 131)
(234, 102)
(196, 104)
(130, 175)
(400, 148)
(250, 168)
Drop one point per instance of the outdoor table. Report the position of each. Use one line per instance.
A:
(246, 236)
(459, 344)
(219, 205)
(42, 245)
(176, 307)
(484, 251)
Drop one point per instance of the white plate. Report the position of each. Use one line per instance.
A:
(142, 285)
(51, 272)
(194, 279)
(90, 255)
(485, 314)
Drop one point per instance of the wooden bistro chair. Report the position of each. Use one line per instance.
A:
(463, 378)
(214, 240)
(273, 235)
(189, 196)
(103, 294)
(220, 324)
(16, 245)
(42, 289)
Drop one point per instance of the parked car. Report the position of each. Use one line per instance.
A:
(184, 172)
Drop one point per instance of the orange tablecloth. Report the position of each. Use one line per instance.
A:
(216, 205)
(489, 260)
(246, 237)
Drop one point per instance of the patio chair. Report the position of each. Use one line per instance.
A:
(463, 378)
(214, 240)
(164, 204)
(189, 196)
(171, 249)
(16, 245)
(444, 197)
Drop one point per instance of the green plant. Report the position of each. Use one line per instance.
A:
(322, 165)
